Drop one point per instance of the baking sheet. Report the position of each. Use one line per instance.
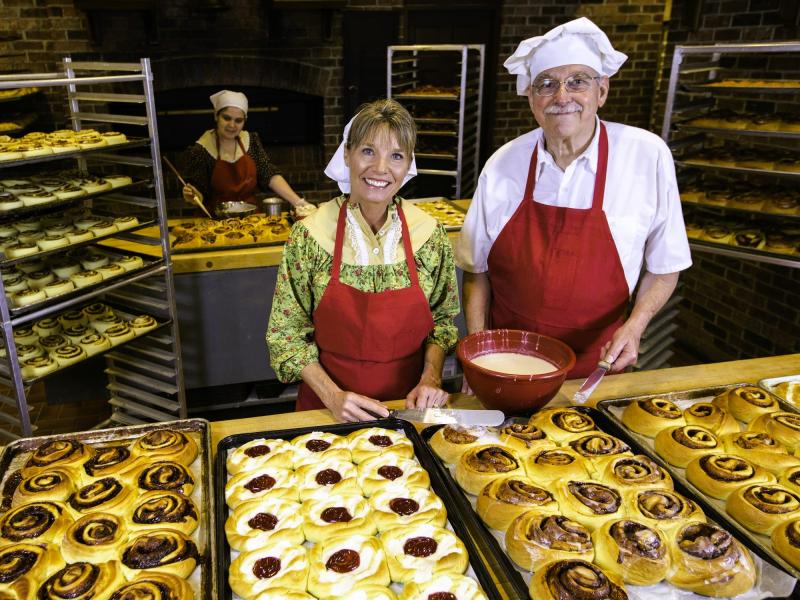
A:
(203, 578)
(769, 385)
(477, 569)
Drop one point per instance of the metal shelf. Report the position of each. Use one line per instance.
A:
(760, 256)
(742, 170)
(24, 162)
(770, 133)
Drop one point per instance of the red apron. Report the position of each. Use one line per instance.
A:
(233, 181)
(371, 343)
(556, 271)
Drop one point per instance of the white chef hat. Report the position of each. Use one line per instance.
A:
(340, 172)
(226, 98)
(579, 42)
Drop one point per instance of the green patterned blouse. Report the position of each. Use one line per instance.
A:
(304, 274)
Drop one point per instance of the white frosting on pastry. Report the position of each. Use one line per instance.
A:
(279, 453)
(370, 556)
(307, 475)
(357, 506)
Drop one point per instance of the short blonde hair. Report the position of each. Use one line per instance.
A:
(386, 113)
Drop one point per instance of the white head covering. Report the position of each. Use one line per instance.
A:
(226, 98)
(579, 42)
(340, 172)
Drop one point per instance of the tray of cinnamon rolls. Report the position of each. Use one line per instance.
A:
(354, 510)
(114, 513)
(577, 508)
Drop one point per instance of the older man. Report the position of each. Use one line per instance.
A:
(565, 216)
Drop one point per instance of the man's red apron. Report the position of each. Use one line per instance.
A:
(233, 181)
(371, 343)
(556, 271)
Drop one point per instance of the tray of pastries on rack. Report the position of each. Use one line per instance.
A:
(350, 511)
(786, 388)
(773, 200)
(738, 447)
(15, 93)
(193, 235)
(769, 84)
(448, 214)
(112, 513)
(736, 157)
(37, 144)
(432, 90)
(577, 507)
(750, 236)
(60, 341)
(727, 119)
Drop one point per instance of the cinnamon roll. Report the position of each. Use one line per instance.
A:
(559, 424)
(666, 510)
(783, 427)
(760, 449)
(329, 516)
(160, 550)
(746, 402)
(481, 464)
(445, 586)
(250, 485)
(524, 438)
(626, 472)
(762, 507)
(552, 465)
(534, 538)
(68, 354)
(53, 485)
(258, 523)
(790, 478)
(9, 489)
(573, 578)
(340, 563)
(165, 476)
(167, 444)
(505, 498)
(598, 449)
(278, 565)
(679, 445)
(154, 510)
(39, 522)
(142, 323)
(396, 507)
(311, 446)
(83, 581)
(115, 461)
(650, 416)
(376, 441)
(259, 453)
(712, 417)
(154, 586)
(718, 475)
(708, 560)
(60, 454)
(327, 476)
(786, 541)
(107, 494)
(376, 473)
(414, 552)
(23, 566)
(96, 537)
(590, 503)
(632, 551)
(450, 442)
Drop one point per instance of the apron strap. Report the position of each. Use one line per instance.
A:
(238, 141)
(602, 167)
(531, 182)
(412, 267)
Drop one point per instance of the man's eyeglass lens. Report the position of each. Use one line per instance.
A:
(573, 84)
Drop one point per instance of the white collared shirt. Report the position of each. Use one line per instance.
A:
(641, 203)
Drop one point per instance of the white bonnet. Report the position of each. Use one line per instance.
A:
(226, 98)
(578, 42)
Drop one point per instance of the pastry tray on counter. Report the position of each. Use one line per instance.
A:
(612, 409)
(770, 383)
(203, 579)
(477, 551)
(484, 536)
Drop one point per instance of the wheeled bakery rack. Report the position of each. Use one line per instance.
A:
(145, 377)
(732, 122)
(442, 87)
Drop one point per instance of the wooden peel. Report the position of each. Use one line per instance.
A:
(195, 199)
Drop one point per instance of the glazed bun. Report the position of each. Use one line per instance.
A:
(397, 507)
(377, 441)
(414, 552)
(590, 503)
(712, 417)
(505, 498)
(343, 562)
(95, 537)
(557, 464)
(534, 538)
(161, 550)
(626, 472)
(762, 507)
(747, 402)
(718, 475)
(374, 474)
(281, 564)
(279, 483)
(445, 585)
(632, 551)
(783, 427)
(574, 578)
(481, 464)
(559, 424)
(449, 442)
(679, 445)
(167, 444)
(650, 416)
(158, 509)
(786, 541)
(258, 523)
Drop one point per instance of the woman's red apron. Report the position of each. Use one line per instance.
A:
(233, 181)
(371, 343)
(556, 271)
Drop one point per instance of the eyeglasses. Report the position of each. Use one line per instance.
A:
(574, 84)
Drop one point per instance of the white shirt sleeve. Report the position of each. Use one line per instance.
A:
(474, 243)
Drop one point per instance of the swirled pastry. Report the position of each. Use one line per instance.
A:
(505, 498)
(164, 508)
(39, 522)
(83, 581)
(105, 495)
(790, 479)
(282, 593)
(665, 509)
(783, 427)
(760, 449)
(762, 507)
(24, 566)
(165, 476)
(786, 541)
(340, 563)
(376, 441)
(747, 402)
(154, 586)
(255, 484)
(534, 538)
(414, 552)
(524, 438)
(573, 578)
(559, 424)
(481, 464)
(626, 472)
(449, 442)
(718, 475)
(552, 465)
(712, 417)
(376, 473)
(590, 503)
(167, 444)
(53, 485)
(708, 560)
(444, 586)
(637, 554)
(327, 476)
(95, 537)
(396, 506)
(679, 445)
(61, 454)
(10, 486)
(310, 447)
(160, 550)
(280, 564)
(259, 453)
(263, 521)
(329, 516)
(651, 415)
(598, 449)
(116, 461)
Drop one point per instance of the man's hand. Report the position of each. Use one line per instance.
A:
(349, 406)
(623, 348)
(427, 394)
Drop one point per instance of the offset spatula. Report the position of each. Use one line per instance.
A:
(592, 381)
(450, 416)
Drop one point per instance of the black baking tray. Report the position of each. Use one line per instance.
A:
(476, 550)
(483, 536)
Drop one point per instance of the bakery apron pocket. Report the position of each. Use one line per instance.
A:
(233, 182)
(556, 271)
(371, 343)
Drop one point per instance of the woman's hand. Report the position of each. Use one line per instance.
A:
(349, 406)
(190, 193)
(427, 394)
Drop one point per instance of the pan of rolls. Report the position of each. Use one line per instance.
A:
(787, 388)
(354, 511)
(576, 508)
(738, 448)
(115, 513)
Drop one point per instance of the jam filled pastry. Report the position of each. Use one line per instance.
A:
(329, 516)
(342, 562)
(637, 554)
(376, 441)
(37, 522)
(445, 586)
(415, 552)
(327, 476)
(395, 506)
(281, 564)
(23, 566)
(258, 523)
(249, 485)
(505, 498)
(534, 539)
(95, 537)
(374, 474)
(574, 578)
(260, 453)
(161, 550)
(311, 446)
(154, 510)
(83, 581)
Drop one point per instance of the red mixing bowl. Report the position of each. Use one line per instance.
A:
(514, 394)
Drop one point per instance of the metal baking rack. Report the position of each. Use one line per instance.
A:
(23, 162)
